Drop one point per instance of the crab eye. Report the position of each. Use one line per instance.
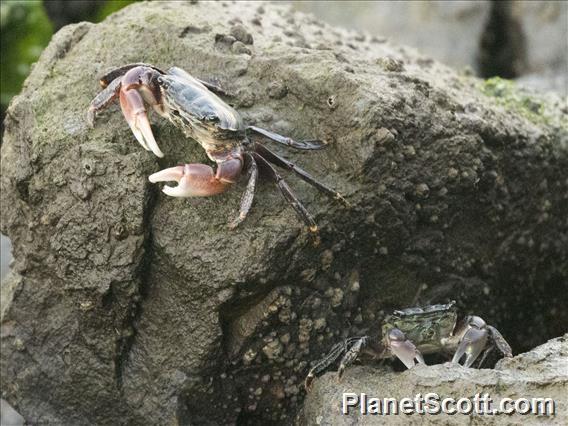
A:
(162, 82)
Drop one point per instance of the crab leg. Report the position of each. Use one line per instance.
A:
(403, 348)
(302, 174)
(302, 144)
(500, 341)
(335, 352)
(198, 180)
(288, 194)
(351, 355)
(103, 99)
(248, 196)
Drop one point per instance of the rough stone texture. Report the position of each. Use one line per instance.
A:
(126, 306)
(440, 23)
(452, 32)
(540, 373)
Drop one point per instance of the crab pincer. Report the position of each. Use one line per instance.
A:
(198, 180)
(403, 348)
(134, 112)
(474, 336)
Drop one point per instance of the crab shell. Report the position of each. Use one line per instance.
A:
(201, 114)
(427, 327)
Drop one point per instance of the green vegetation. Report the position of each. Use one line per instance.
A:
(110, 7)
(25, 32)
(514, 98)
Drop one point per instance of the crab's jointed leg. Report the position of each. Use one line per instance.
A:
(302, 174)
(335, 352)
(104, 99)
(199, 180)
(302, 144)
(496, 341)
(403, 348)
(351, 355)
(248, 196)
(288, 194)
(500, 342)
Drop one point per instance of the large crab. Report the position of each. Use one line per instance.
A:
(409, 333)
(190, 104)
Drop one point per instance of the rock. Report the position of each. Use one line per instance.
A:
(540, 373)
(241, 34)
(449, 32)
(122, 302)
(239, 47)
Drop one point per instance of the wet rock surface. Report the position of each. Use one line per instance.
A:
(126, 306)
(540, 373)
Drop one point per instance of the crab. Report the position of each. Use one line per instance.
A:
(411, 332)
(192, 105)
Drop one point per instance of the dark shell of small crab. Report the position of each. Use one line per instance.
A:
(425, 326)
(197, 106)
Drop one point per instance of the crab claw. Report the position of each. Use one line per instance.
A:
(473, 341)
(403, 348)
(194, 180)
(134, 111)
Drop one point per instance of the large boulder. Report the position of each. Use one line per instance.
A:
(127, 306)
(540, 374)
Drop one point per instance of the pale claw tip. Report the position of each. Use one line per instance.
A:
(172, 191)
(173, 174)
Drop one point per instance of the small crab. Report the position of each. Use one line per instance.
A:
(190, 104)
(411, 332)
